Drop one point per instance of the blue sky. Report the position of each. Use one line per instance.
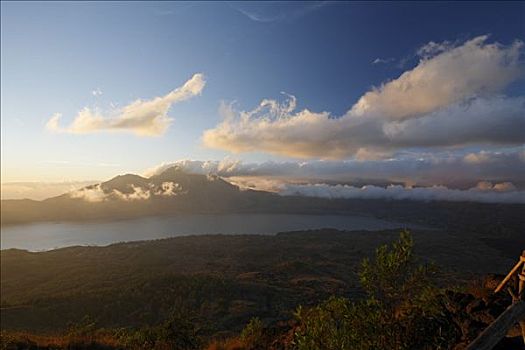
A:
(54, 55)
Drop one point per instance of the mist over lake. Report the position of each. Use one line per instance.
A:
(46, 236)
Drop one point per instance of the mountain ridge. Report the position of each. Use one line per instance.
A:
(174, 192)
(129, 195)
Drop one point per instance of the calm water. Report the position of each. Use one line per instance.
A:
(45, 236)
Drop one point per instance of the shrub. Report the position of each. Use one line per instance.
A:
(180, 333)
(402, 308)
(252, 336)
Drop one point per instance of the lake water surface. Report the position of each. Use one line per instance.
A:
(45, 236)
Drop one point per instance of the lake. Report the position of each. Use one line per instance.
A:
(46, 236)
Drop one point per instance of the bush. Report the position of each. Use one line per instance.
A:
(402, 308)
(178, 332)
(252, 336)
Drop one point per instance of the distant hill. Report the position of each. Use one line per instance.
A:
(175, 191)
(170, 192)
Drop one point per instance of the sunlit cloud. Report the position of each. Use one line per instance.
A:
(455, 169)
(141, 117)
(444, 75)
(452, 98)
(92, 194)
(484, 193)
(483, 176)
(98, 193)
(452, 177)
(478, 158)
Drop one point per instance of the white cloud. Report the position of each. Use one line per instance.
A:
(168, 189)
(495, 120)
(92, 194)
(382, 60)
(138, 193)
(478, 158)
(96, 92)
(97, 193)
(480, 121)
(447, 75)
(505, 187)
(499, 187)
(432, 48)
(141, 117)
(499, 193)
(499, 177)
(451, 98)
(451, 169)
(257, 183)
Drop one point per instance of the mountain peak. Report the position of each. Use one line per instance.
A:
(176, 169)
(122, 183)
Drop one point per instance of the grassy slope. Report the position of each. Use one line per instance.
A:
(223, 280)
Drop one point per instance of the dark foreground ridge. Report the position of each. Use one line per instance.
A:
(214, 286)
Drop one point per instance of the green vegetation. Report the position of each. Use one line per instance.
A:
(239, 292)
(402, 308)
(224, 280)
(252, 336)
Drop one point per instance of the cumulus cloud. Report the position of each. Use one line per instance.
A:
(483, 176)
(443, 76)
(487, 193)
(141, 117)
(479, 158)
(221, 168)
(138, 193)
(168, 189)
(496, 120)
(432, 48)
(451, 169)
(97, 193)
(453, 97)
(505, 187)
(92, 194)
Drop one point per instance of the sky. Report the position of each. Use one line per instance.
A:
(429, 93)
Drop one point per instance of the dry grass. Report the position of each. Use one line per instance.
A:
(16, 340)
(228, 344)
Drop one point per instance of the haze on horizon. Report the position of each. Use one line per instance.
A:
(267, 95)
